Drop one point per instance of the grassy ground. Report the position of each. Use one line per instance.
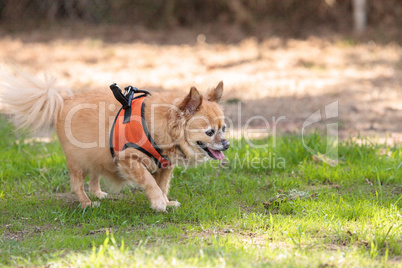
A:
(299, 212)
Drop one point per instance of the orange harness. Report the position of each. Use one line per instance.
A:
(130, 130)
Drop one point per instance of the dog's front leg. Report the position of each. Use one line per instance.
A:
(134, 170)
(162, 178)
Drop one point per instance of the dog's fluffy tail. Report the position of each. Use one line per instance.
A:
(32, 103)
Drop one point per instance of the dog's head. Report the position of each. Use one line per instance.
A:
(204, 127)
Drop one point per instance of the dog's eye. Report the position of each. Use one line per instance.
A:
(223, 128)
(210, 132)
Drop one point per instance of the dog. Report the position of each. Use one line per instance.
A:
(187, 128)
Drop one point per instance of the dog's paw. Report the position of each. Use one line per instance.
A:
(100, 194)
(86, 204)
(173, 204)
(90, 204)
(159, 205)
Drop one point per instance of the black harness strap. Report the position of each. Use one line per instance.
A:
(119, 95)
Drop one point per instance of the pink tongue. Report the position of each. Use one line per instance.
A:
(218, 154)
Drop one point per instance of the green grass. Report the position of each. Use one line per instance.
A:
(300, 213)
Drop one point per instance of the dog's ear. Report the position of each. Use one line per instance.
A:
(215, 94)
(191, 102)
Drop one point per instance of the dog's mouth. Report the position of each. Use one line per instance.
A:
(214, 154)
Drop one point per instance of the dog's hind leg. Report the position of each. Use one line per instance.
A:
(77, 176)
(94, 186)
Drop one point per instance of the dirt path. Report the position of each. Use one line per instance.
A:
(271, 76)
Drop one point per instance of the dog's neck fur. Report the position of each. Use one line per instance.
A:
(166, 115)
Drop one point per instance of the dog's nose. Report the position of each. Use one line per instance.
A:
(225, 144)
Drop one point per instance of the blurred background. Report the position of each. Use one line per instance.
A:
(285, 58)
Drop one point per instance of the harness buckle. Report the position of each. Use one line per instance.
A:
(126, 97)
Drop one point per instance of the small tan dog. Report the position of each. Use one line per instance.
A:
(187, 129)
